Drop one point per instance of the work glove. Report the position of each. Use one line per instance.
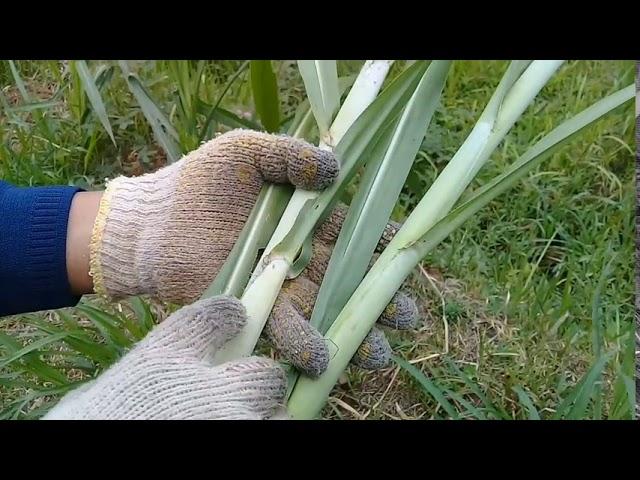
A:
(169, 374)
(168, 233)
(288, 327)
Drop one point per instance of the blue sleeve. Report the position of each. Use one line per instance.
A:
(33, 237)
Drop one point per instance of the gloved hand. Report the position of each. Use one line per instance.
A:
(288, 327)
(168, 375)
(168, 233)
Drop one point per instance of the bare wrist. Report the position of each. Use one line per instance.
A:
(84, 208)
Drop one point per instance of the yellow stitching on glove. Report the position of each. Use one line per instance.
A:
(95, 263)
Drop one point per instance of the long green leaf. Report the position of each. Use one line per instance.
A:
(575, 404)
(589, 391)
(93, 94)
(475, 389)
(624, 397)
(38, 115)
(19, 82)
(214, 107)
(33, 346)
(597, 328)
(542, 150)
(163, 131)
(32, 363)
(385, 174)
(471, 410)
(14, 410)
(107, 325)
(597, 321)
(143, 312)
(33, 106)
(79, 341)
(265, 94)
(624, 389)
(321, 84)
(428, 386)
(181, 70)
(132, 326)
(13, 380)
(526, 402)
(352, 151)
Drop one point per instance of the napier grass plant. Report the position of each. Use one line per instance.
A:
(410, 245)
(389, 130)
(377, 134)
(284, 247)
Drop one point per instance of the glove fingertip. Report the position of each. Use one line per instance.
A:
(227, 314)
(401, 313)
(201, 327)
(312, 168)
(374, 352)
(296, 340)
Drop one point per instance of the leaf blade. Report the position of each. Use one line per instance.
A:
(265, 94)
(385, 174)
(31, 347)
(525, 400)
(321, 83)
(94, 96)
(163, 131)
(543, 149)
(351, 151)
(428, 386)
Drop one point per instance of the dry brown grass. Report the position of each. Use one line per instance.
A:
(393, 394)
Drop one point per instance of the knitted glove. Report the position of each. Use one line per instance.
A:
(168, 375)
(168, 233)
(288, 327)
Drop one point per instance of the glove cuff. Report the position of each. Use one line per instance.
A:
(128, 234)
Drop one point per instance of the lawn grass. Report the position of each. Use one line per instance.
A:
(527, 311)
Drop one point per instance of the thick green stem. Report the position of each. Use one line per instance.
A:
(485, 137)
(398, 260)
(272, 268)
(350, 328)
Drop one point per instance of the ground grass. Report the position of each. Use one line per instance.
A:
(527, 311)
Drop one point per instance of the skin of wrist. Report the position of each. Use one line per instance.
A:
(82, 215)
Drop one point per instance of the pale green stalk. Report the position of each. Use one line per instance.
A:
(515, 92)
(373, 73)
(502, 111)
(351, 327)
(271, 271)
(321, 82)
(233, 277)
(387, 168)
(364, 91)
(400, 257)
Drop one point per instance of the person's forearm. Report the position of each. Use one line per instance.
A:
(34, 225)
(82, 215)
